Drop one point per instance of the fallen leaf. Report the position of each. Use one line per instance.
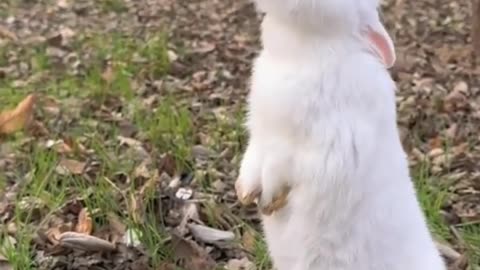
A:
(129, 141)
(108, 75)
(85, 242)
(5, 32)
(62, 3)
(243, 264)
(191, 254)
(142, 170)
(167, 266)
(8, 244)
(84, 224)
(4, 265)
(53, 234)
(118, 229)
(249, 241)
(447, 251)
(59, 146)
(70, 166)
(136, 209)
(14, 120)
(189, 212)
(115, 223)
(210, 235)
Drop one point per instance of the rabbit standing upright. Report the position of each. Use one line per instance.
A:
(323, 134)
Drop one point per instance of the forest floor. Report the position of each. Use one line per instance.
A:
(131, 155)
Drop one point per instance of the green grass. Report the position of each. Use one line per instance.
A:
(116, 6)
(471, 236)
(432, 198)
(168, 127)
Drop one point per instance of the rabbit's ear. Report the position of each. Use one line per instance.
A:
(380, 42)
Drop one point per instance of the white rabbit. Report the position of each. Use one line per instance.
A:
(322, 126)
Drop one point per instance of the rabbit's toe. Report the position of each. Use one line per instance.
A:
(247, 194)
(270, 203)
(276, 182)
(249, 185)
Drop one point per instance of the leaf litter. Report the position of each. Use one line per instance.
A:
(96, 136)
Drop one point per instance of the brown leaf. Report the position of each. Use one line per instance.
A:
(136, 209)
(14, 120)
(84, 242)
(108, 75)
(118, 228)
(166, 266)
(84, 224)
(210, 235)
(59, 146)
(435, 142)
(193, 256)
(5, 32)
(475, 28)
(249, 241)
(70, 166)
(4, 265)
(53, 234)
(243, 264)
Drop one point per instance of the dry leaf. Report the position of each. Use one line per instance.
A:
(84, 224)
(447, 251)
(53, 234)
(249, 241)
(115, 223)
(14, 120)
(210, 235)
(189, 212)
(167, 266)
(194, 257)
(5, 32)
(475, 28)
(70, 166)
(142, 170)
(84, 242)
(108, 75)
(243, 264)
(136, 209)
(129, 141)
(4, 265)
(435, 142)
(117, 227)
(59, 146)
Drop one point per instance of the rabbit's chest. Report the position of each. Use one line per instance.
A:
(295, 103)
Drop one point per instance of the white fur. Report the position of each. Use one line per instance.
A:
(322, 119)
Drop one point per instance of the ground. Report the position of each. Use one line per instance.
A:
(130, 157)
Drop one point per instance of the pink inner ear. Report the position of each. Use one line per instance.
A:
(381, 46)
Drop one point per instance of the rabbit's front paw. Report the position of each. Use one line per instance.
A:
(248, 185)
(276, 184)
(275, 201)
(247, 193)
